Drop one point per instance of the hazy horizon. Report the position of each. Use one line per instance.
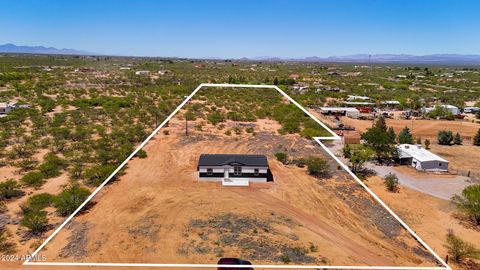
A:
(236, 29)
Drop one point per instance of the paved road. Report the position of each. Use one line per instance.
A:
(440, 186)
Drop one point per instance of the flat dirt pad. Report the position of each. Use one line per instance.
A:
(158, 212)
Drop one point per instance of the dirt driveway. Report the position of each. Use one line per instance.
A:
(440, 186)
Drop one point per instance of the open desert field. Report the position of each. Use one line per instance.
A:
(159, 212)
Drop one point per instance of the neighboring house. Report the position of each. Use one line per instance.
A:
(233, 169)
(452, 109)
(421, 159)
(163, 72)
(294, 76)
(5, 108)
(390, 102)
(142, 72)
(347, 111)
(401, 76)
(352, 98)
(471, 110)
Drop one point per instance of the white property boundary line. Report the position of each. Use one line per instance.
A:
(317, 139)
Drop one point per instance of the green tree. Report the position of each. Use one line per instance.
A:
(445, 137)
(391, 182)
(469, 202)
(391, 134)
(378, 139)
(405, 137)
(460, 249)
(457, 139)
(476, 138)
(357, 156)
(70, 199)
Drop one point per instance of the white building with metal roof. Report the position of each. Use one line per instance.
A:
(420, 158)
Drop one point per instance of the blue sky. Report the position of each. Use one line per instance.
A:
(244, 28)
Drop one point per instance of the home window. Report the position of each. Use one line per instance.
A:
(237, 170)
(256, 172)
(440, 164)
(209, 171)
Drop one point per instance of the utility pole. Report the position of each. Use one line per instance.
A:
(186, 126)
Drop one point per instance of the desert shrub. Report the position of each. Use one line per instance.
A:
(190, 116)
(6, 245)
(10, 189)
(316, 166)
(237, 130)
(97, 174)
(249, 130)
(70, 199)
(52, 165)
(141, 154)
(215, 117)
(427, 144)
(3, 207)
(391, 182)
(228, 132)
(166, 132)
(40, 201)
(460, 249)
(469, 202)
(35, 220)
(33, 179)
(282, 157)
(445, 137)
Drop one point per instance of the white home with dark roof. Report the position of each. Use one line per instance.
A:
(233, 169)
(421, 159)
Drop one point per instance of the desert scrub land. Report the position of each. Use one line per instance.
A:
(84, 115)
(321, 218)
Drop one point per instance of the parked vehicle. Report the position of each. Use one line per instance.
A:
(233, 261)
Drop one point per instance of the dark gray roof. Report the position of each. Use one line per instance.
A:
(232, 159)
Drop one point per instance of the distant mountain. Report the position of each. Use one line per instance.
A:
(461, 59)
(12, 48)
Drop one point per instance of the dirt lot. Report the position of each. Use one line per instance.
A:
(158, 212)
(420, 128)
(430, 217)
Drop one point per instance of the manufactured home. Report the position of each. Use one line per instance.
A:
(347, 111)
(233, 169)
(421, 159)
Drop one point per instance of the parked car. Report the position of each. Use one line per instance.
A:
(233, 261)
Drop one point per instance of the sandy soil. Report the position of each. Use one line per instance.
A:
(147, 215)
(429, 217)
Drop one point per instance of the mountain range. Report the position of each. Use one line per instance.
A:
(12, 48)
(440, 59)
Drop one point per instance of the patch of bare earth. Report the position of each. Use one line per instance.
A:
(159, 212)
